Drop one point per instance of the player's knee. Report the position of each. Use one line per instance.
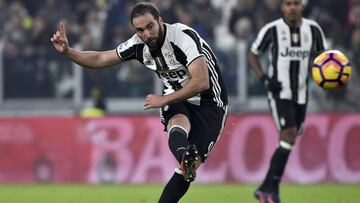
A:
(179, 120)
(289, 136)
(291, 140)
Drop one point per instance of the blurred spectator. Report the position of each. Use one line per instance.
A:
(94, 25)
(244, 33)
(268, 10)
(354, 18)
(3, 15)
(224, 39)
(98, 106)
(37, 57)
(183, 15)
(15, 37)
(117, 27)
(166, 9)
(206, 17)
(330, 24)
(354, 84)
(243, 30)
(53, 11)
(33, 70)
(338, 9)
(243, 8)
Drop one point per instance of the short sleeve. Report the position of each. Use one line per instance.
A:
(262, 41)
(130, 49)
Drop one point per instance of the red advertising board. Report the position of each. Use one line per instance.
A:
(133, 149)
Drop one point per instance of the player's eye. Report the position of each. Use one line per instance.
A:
(139, 30)
(150, 26)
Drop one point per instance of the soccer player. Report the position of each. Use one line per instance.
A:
(193, 105)
(291, 41)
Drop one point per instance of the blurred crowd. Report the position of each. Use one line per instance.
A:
(33, 69)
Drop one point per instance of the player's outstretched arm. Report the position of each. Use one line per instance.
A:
(91, 59)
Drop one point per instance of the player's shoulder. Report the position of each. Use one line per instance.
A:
(275, 22)
(310, 22)
(133, 41)
(272, 24)
(177, 32)
(178, 27)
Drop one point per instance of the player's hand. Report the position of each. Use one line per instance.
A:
(59, 40)
(270, 84)
(154, 101)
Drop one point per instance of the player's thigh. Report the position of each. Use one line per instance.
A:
(300, 114)
(175, 114)
(206, 125)
(283, 112)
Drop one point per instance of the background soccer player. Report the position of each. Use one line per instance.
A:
(291, 41)
(194, 100)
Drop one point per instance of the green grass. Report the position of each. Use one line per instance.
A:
(229, 193)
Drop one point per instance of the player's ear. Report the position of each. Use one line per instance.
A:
(160, 20)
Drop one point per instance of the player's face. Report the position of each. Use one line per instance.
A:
(149, 29)
(292, 10)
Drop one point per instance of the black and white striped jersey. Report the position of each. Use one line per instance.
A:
(181, 46)
(290, 51)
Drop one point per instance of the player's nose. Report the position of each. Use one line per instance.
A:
(147, 34)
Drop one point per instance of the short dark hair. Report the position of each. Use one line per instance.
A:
(282, 1)
(142, 8)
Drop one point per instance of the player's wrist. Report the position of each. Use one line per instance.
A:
(66, 51)
(166, 99)
(264, 79)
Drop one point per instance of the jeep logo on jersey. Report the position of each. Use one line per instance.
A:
(295, 53)
(176, 74)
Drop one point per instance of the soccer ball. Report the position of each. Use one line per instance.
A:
(331, 70)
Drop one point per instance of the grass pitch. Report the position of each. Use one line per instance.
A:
(228, 193)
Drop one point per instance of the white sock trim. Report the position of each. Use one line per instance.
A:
(178, 126)
(285, 145)
(178, 171)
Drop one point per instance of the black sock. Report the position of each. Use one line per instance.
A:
(178, 142)
(174, 189)
(265, 184)
(276, 170)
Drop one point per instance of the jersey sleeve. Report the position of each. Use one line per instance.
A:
(189, 43)
(262, 41)
(130, 49)
(320, 43)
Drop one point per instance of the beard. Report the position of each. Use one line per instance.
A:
(155, 43)
(293, 18)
